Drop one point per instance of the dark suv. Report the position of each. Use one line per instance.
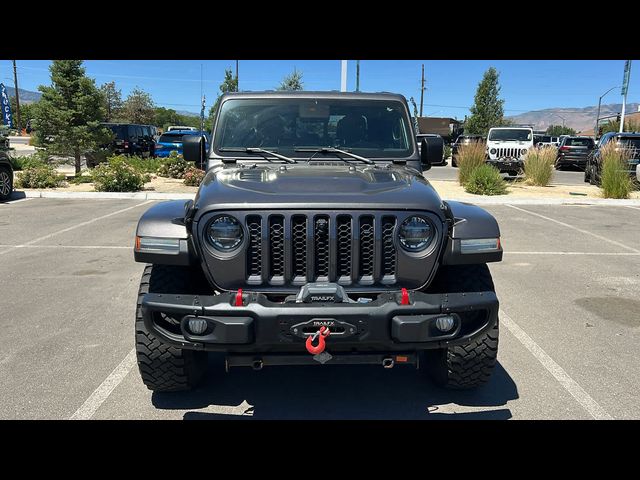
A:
(574, 152)
(628, 140)
(315, 239)
(462, 140)
(128, 139)
(6, 170)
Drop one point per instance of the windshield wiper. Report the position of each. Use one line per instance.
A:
(337, 153)
(260, 151)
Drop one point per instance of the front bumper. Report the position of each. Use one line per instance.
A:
(506, 164)
(262, 326)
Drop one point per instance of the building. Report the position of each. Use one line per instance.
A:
(447, 128)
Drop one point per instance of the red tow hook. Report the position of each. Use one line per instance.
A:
(322, 333)
(239, 298)
(404, 297)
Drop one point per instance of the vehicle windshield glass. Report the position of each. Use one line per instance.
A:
(119, 131)
(513, 134)
(579, 142)
(369, 128)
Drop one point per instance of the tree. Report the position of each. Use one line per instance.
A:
(293, 81)
(229, 84)
(614, 126)
(26, 111)
(138, 107)
(112, 100)
(67, 117)
(557, 130)
(487, 110)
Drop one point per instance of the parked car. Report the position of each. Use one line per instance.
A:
(419, 138)
(628, 140)
(172, 141)
(507, 146)
(128, 139)
(6, 171)
(295, 252)
(171, 128)
(574, 151)
(462, 140)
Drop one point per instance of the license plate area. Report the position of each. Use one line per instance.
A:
(338, 329)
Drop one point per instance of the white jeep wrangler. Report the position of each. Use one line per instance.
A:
(507, 146)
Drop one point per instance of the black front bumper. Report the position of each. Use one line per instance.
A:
(262, 326)
(507, 164)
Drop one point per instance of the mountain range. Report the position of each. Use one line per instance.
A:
(26, 96)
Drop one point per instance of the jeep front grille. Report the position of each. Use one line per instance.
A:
(509, 152)
(294, 249)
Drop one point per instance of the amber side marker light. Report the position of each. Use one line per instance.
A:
(402, 359)
(157, 245)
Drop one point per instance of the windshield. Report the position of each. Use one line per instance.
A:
(370, 128)
(510, 134)
(579, 142)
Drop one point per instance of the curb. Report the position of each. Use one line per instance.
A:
(479, 200)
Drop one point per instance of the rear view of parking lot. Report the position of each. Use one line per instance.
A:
(570, 327)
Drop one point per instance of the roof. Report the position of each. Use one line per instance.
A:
(309, 94)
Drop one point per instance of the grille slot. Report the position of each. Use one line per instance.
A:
(367, 244)
(299, 247)
(344, 240)
(321, 247)
(254, 254)
(388, 248)
(276, 247)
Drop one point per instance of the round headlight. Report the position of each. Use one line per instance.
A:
(224, 233)
(524, 150)
(493, 151)
(415, 233)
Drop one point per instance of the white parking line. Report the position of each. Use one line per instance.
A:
(632, 208)
(100, 394)
(96, 247)
(569, 384)
(606, 254)
(68, 229)
(599, 237)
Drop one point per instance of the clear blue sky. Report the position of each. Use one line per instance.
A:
(526, 85)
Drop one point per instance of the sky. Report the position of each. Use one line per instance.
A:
(450, 84)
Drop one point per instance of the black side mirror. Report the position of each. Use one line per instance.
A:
(431, 151)
(193, 149)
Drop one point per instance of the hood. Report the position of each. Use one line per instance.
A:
(334, 186)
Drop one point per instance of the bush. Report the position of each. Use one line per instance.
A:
(39, 176)
(193, 177)
(615, 181)
(538, 165)
(79, 179)
(174, 166)
(141, 165)
(447, 151)
(117, 176)
(35, 160)
(469, 158)
(486, 180)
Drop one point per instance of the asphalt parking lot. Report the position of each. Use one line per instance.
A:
(570, 328)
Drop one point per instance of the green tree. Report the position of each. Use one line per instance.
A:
(67, 117)
(138, 107)
(557, 130)
(26, 112)
(293, 81)
(112, 100)
(229, 84)
(614, 126)
(487, 110)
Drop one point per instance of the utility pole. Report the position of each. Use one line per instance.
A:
(15, 83)
(237, 79)
(343, 76)
(422, 90)
(625, 88)
(357, 75)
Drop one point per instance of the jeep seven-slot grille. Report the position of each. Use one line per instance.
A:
(295, 249)
(509, 152)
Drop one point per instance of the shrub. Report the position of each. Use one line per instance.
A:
(538, 165)
(486, 180)
(615, 181)
(117, 176)
(39, 176)
(174, 166)
(37, 159)
(193, 177)
(79, 179)
(447, 151)
(469, 158)
(141, 165)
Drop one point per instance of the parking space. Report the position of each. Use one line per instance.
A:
(568, 342)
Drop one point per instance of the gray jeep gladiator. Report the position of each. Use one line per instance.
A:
(315, 239)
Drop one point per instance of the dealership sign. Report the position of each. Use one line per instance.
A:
(5, 106)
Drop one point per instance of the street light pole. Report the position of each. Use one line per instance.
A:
(595, 130)
(15, 82)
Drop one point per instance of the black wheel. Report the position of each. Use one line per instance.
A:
(6, 182)
(587, 176)
(165, 368)
(593, 180)
(465, 366)
(558, 166)
(454, 164)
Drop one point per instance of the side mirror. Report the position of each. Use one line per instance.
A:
(431, 151)
(193, 149)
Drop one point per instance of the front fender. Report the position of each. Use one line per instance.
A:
(470, 222)
(165, 221)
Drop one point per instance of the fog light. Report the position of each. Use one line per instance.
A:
(444, 324)
(197, 326)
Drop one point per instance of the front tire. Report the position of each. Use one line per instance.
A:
(165, 368)
(467, 366)
(6, 182)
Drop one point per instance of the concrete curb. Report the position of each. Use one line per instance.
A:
(478, 200)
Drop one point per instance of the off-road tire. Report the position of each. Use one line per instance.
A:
(165, 368)
(6, 182)
(464, 366)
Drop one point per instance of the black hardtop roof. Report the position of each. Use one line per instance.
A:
(309, 94)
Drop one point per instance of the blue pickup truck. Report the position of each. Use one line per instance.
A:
(172, 140)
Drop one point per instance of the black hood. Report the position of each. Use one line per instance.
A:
(334, 186)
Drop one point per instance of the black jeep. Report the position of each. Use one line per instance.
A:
(315, 239)
(6, 170)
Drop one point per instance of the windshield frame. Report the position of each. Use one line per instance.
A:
(530, 131)
(216, 154)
